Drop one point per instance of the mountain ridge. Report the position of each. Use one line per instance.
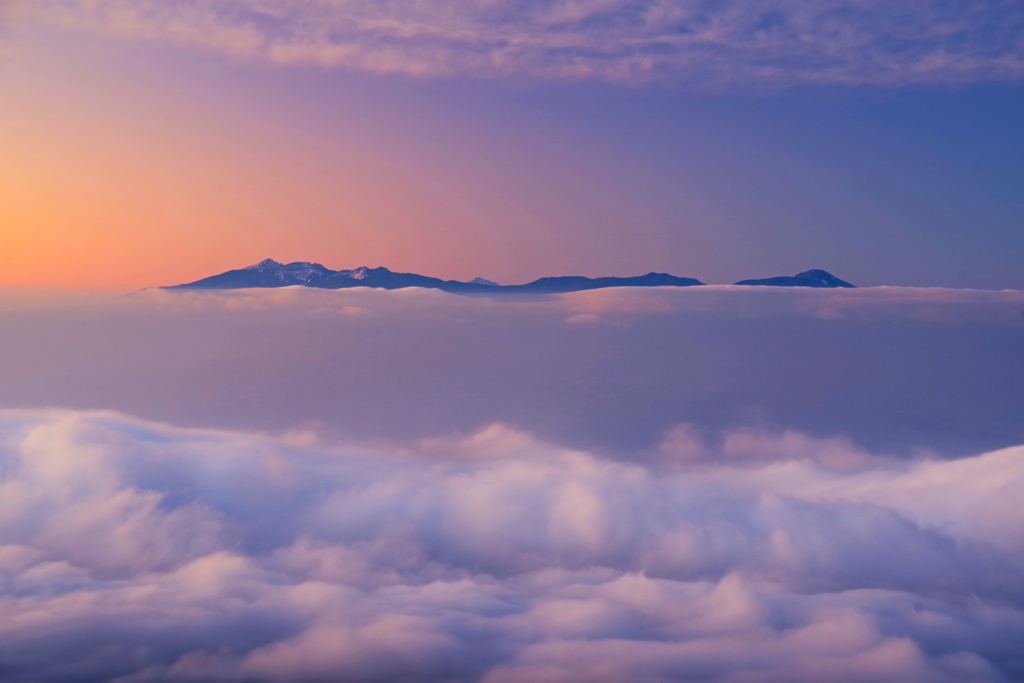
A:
(808, 278)
(269, 273)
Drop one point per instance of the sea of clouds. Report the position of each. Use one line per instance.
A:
(137, 551)
(631, 485)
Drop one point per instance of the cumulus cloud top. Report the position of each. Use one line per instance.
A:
(135, 551)
(737, 42)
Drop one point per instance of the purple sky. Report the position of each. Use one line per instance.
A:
(156, 142)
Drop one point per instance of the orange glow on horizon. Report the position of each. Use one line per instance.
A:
(120, 176)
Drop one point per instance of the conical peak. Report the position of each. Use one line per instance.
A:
(267, 263)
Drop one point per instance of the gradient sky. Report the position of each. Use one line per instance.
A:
(622, 485)
(148, 143)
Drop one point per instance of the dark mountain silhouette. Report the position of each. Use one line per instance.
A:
(576, 284)
(270, 273)
(808, 278)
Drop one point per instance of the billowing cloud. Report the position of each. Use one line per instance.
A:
(737, 42)
(136, 551)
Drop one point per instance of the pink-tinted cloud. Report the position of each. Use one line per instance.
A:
(739, 42)
(135, 551)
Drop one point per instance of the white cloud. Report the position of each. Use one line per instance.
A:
(136, 551)
(733, 43)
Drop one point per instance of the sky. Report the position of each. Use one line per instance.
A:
(732, 484)
(152, 143)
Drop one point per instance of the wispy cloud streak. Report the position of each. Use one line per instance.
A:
(771, 43)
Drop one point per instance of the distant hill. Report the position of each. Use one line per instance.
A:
(270, 273)
(808, 278)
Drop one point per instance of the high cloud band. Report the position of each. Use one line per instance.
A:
(712, 44)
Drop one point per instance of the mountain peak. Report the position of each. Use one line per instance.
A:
(265, 263)
(817, 274)
(482, 281)
(808, 278)
(824, 277)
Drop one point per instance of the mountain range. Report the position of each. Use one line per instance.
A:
(270, 273)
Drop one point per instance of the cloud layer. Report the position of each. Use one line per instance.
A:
(133, 551)
(770, 44)
(739, 499)
(611, 370)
